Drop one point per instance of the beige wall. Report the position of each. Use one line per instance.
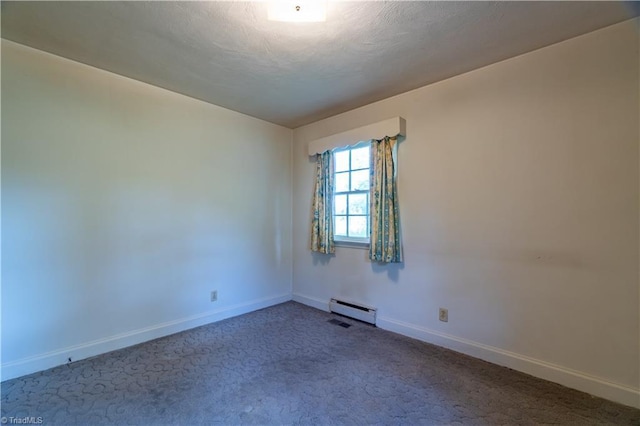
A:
(518, 188)
(124, 205)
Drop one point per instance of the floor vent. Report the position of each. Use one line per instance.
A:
(353, 310)
(340, 323)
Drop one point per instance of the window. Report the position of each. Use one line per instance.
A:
(351, 195)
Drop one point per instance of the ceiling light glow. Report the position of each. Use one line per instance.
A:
(297, 11)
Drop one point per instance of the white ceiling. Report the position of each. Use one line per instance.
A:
(228, 54)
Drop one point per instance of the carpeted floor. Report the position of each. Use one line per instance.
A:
(288, 365)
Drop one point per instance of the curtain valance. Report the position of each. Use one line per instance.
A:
(386, 128)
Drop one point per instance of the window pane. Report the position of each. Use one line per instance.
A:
(340, 225)
(341, 204)
(360, 158)
(342, 182)
(357, 204)
(342, 160)
(358, 226)
(360, 180)
(351, 209)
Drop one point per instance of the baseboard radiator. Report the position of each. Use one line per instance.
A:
(353, 310)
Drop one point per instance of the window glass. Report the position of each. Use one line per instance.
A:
(360, 158)
(342, 182)
(360, 180)
(340, 225)
(358, 203)
(358, 226)
(351, 196)
(341, 204)
(342, 161)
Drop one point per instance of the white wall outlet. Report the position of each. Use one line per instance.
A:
(443, 315)
(214, 295)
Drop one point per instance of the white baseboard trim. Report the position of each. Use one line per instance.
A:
(535, 367)
(55, 358)
(311, 301)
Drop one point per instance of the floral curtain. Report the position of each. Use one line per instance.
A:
(322, 222)
(385, 245)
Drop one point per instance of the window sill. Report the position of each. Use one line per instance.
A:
(362, 245)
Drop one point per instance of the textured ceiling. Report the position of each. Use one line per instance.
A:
(228, 54)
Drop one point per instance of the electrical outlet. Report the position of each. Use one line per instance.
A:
(443, 315)
(214, 295)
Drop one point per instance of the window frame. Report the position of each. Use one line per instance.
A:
(342, 240)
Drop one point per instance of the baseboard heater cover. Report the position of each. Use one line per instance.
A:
(353, 310)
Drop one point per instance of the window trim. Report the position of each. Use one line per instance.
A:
(350, 242)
